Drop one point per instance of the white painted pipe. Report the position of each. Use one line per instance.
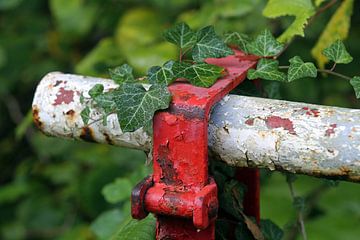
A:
(243, 131)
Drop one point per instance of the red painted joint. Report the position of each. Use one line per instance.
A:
(180, 186)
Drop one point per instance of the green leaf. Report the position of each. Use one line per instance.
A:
(96, 90)
(233, 8)
(104, 55)
(270, 230)
(135, 229)
(265, 45)
(319, 2)
(23, 126)
(74, 17)
(162, 75)
(267, 69)
(133, 104)
(231, 197)
(272, 89)
(12, 191)
(237, 39)
(82, 99)
(337, 53)
(85, 115)
(298, 69)
(355, 82)
(180, 34)
(337, 28)
(139, 43)
(105, 225)
(209, 45)
(117, 191)
(242, 231)
(302, 10)
(200, 74)
(9, 4)
(122, 74)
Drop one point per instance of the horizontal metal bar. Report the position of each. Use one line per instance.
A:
(243, 131)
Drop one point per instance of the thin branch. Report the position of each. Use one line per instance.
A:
(333, 67)
(321, 10)
(284, 49)
(334, 73)
(311, 200)
(327, 71)
(300, 214)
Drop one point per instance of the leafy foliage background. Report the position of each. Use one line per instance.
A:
(55, 189)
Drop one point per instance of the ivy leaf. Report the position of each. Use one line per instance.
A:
(337, 53)
(337, 28)
(302, 10)
(355, 82)
(122, 74)
(270, 230)
(96, 90)
(209, 45)
(200, 74)
(180, 35)
(162, 75)
(237, 39)
(106, 224)
(299, 69)
(265, 45)
(82, 99)
(272, 89)
(267, 69)
(135, 229)
(134, 105)
(85, 115)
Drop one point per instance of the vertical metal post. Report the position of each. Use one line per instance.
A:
(180, 192)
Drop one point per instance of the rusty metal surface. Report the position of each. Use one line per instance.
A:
(182, 187)
(243, 131)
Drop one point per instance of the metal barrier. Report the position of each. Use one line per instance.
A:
(301, 138)
(242, 131)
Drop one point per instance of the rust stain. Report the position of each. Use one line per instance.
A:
(70, 113)
(279, 122)
(185, 97)
(108, 139)
(330, 130)
(189, 112)
(172, 200)
(250, 122)
(36, 118)
(57, 83)
(213, 210)
(64, 96)
(87, 134)
(344, 170)
(168, 172)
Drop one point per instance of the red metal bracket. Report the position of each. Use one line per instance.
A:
(180, 192)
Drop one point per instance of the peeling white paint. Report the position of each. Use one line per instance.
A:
(243, 131)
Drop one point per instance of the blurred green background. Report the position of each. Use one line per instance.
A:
(54, 189)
